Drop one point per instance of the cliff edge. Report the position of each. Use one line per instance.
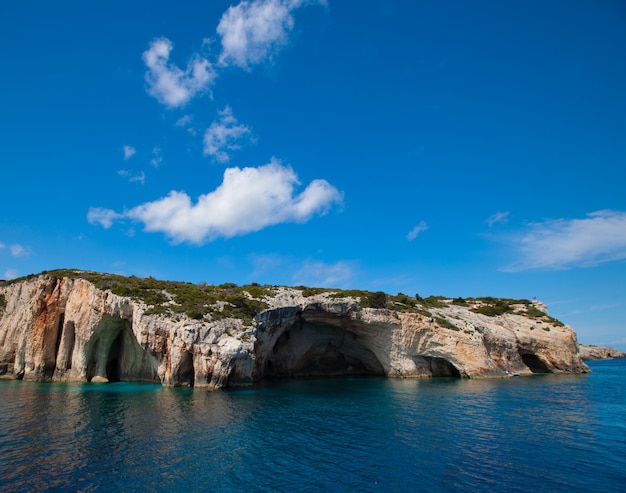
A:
(85, 326)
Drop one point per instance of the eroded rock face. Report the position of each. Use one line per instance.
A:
(68, 330)
(591, 353)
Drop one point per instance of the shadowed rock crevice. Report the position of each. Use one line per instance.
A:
(320, 349)
(185, 376)
(533, 362)
(436, 367)
(113, 354)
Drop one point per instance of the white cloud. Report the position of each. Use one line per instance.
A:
(253, 31)
(498, 217)
(103, 217)
(10, 274)
(248, 200)
(322, 274)
(183, 121)
(129, 151)
(422, 226)
(2, 245)
(565, 244)
(169, 84)
(137, 177)
(157, 157)
(222, 136)
(18, 250)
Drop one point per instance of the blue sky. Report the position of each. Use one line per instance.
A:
(453, 148)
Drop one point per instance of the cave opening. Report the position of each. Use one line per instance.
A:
(431, 366)
(440, 367)
(113, 366)
(57, 343)
(533, 362)
(186, 372)
(320, 349)
(52, 342)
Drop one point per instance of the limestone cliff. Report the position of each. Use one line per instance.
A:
(591, 353)
(65, 328)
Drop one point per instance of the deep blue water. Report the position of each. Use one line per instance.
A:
(542, 433)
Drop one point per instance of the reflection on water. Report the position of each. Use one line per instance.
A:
(552, 433)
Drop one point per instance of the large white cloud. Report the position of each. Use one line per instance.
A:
(564, 244)
(248, 200)
(223, 136)
(168, 83)
(253, 31)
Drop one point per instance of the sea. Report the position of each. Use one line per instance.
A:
(548, 433)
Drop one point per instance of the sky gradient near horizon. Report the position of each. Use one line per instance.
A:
(440, 148)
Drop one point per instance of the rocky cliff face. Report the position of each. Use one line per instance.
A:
(591, 353)
(67, 329)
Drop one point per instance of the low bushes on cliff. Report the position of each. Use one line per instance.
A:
(171, 297)
(229, 300)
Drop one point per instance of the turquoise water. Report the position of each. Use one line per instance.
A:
(542, 433)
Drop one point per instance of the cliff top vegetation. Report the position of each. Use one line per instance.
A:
(229, 300)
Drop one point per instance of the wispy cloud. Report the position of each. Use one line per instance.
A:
(2, 245)
(18, 250)
(566, 244)
(157, 157)
(594, 308)
(184, 121)
(498, 217)
(10, 274)
(222, 136)
(322, 274)
(248, 200)
(254, 31)
(264, 263)
(129, 151)
(171, 85)
(103, 217)
(422, 226)
(133, 177)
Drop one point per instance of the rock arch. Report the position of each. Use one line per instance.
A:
(185, 373)
(432, 366)
(534, 363)
(113, 354)
(313, 347)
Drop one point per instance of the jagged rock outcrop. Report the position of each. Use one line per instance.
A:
(590, 353)
(67, 329)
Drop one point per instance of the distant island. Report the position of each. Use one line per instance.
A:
(72, 325)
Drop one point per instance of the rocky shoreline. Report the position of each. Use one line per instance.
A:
(65, 328)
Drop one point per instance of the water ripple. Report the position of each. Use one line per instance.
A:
(556, 434)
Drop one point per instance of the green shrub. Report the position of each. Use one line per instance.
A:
(493, 307)
(446, 323)
(375, 300)
(434, 301)
(533, 312)
(3, 302)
